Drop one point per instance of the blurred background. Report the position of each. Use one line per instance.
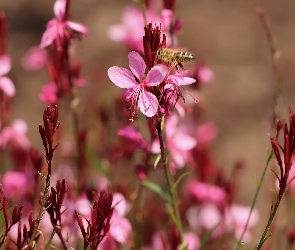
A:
(227, 35)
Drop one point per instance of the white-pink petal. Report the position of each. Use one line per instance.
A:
(120, 229)
(184, 141)
(77, 27)
(7, 86)
(5, 64)
(121, 77)
(156, 75)
(148, 103)
(59, 9)
(136, 64)
(49, 35)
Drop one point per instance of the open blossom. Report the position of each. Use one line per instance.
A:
(171, 91)
(6, 85)
(130, 31)
(16, 133)
(137, 93)
(59, 29)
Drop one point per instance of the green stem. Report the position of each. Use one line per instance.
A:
(42, 209)
(50, 239)
(270, 220)
(255, 197)
(170, 182)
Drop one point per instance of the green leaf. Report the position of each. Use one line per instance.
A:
(240, 246)
(207, 236)
(2, 215)
(157, 161)
(183, 246)
(173, 217)
(178, 180)
(158, 190)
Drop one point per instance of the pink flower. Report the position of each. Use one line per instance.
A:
(131, 31)
(236, 217)
(59, 29)
(172, 92)
(16, 133)
(192, 240)
(34, 59)
(205, 192)
(206, 132)
(179, 143)
(137, 94)
(49, 93)
(120, 227)
(134, 138)
(203, 74)
(15, 184)
(6, 85)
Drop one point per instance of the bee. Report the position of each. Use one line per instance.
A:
(174, 57)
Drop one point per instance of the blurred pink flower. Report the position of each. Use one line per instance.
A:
(136, 93)
(206, 132)
(208, 216)
(236, 217)
(179, 143)
(203, 74)
(131, 31)
(49, 93)
(134, 138)
(6, 85)
(205, 192)
(34, 59)
(59, 29)
(15, 133)
(120, 229)
(15, 184)
(193, 241)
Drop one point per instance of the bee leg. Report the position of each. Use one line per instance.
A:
(180, 64)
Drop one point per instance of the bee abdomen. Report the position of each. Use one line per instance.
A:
(184, 56)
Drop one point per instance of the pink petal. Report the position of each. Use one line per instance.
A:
(34, 59)
(148, 104)
(156, 75)
(206, 132)
(121, 77)
(7, 86)
(5, 64)
(184, 141)
(155, 147)
(136, 64)
(50, 34)
(171, 125)
(167, 17)
(120, 229)
(187, 81)
(49, 93)
(15, 183)
(19, 126)
(59, 9)
(205, 75)
(117, 33)
(119, 203)
(80, 28)
(193, 241)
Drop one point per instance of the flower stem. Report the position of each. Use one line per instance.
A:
(42, 209)
(170, 182)
(270, 220)
(256, 196)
